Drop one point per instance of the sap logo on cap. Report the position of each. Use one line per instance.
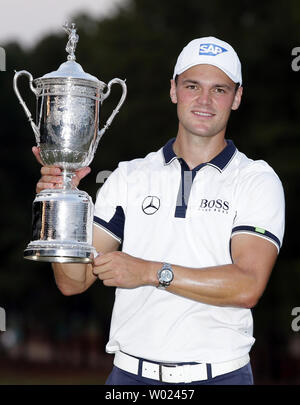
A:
(211, 49)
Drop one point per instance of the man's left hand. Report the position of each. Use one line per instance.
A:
(118, 269)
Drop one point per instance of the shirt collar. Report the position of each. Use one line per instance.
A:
(219, 162)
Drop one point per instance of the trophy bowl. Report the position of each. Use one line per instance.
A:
(68, 113)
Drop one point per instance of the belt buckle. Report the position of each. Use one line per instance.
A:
(160, 372)
(160, 366)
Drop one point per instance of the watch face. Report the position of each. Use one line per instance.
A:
(166, 275)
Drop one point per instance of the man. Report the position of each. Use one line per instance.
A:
(200, 225)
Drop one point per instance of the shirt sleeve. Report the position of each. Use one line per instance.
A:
(110, 205)
(261, 205)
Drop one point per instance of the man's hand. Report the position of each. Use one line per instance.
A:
(51, 176)
(118, 269)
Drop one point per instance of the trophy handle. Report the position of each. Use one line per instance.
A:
(115, 111)
(22, 102)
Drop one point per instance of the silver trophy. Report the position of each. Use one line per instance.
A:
(67, 132)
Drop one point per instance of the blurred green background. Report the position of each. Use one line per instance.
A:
(52, 339)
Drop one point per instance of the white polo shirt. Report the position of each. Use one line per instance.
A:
(162, 211)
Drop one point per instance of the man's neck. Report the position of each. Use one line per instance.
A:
(196, 149)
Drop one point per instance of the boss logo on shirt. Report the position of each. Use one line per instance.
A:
(214, 205)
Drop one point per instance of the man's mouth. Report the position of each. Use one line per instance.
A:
(203, 114)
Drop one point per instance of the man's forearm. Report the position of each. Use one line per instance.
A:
(238, 284)
(72, 278)
(225, 285)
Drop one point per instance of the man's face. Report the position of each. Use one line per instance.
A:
(205, 96)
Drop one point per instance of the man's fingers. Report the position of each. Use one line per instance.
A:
(102, 259)
(81, 173)
(50, 171)
(109, 283)
(44, 185)
(102, 266)
(52, 176)
(107, 278)
(102, 274)
(51, 179)
(36, 152)
(101, 269)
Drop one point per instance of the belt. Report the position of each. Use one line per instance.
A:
(176, 373)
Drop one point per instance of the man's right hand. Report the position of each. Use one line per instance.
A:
(51, 175)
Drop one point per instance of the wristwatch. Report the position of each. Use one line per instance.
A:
(165, 276)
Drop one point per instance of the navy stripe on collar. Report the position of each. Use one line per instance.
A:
(168, 151)
(219, 162)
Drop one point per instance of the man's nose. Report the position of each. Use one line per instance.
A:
(204, 97)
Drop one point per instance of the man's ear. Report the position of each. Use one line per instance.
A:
(173, 92)
(237, 98)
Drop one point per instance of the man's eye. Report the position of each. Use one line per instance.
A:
(192, 87)
(219, 90)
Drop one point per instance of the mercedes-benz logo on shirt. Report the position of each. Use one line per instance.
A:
(151, 204)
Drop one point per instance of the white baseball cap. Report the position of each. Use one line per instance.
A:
(210, 51)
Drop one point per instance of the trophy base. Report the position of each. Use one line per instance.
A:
(62, 227)
(59, 254)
